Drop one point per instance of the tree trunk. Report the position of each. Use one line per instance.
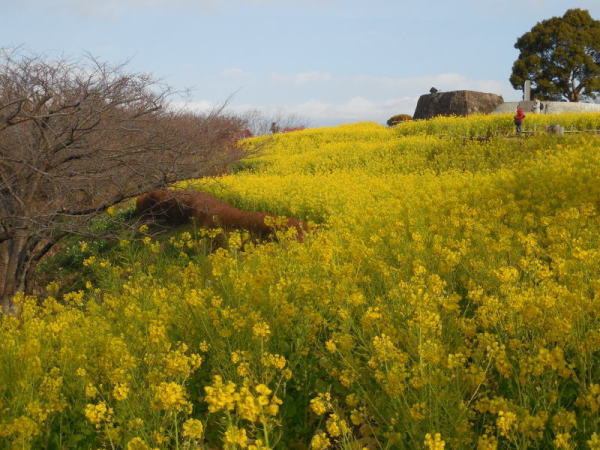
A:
(17, 259)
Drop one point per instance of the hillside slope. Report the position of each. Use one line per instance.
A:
(451, 295)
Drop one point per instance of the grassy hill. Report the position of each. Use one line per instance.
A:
(450, 296)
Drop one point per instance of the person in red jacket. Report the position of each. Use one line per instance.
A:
(519, 117)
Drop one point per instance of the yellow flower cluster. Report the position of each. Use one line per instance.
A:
(98, 414)
(193, 429)
(171, 397)
(434, 442)
(449, 298)
(252, 404)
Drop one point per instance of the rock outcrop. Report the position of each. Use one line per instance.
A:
(458, 103)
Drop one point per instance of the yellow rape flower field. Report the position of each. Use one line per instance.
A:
(448, 297)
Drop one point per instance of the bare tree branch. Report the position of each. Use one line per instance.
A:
(76, 138)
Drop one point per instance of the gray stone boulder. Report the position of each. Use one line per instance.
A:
(458, 103)
(555, 129)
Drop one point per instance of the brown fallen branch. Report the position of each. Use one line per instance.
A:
(206, 211)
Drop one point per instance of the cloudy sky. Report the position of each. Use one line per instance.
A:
(328, 61)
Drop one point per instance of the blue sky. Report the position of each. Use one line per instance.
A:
(327, 61)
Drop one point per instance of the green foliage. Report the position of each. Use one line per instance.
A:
(561, 57)
(100, 239)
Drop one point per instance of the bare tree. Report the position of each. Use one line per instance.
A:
(76, 138)
(260, 123)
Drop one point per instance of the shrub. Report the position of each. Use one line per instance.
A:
(398, 118)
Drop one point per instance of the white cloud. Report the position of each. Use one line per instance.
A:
(444, 81)
(230, 73)
(316, 112)
(369, 85)
(355, 109)
(361, 97)
(302, 78)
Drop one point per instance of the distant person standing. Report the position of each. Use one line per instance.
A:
(537, 106)
(519, 117)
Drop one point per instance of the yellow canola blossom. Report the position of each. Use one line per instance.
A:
(193, 429)
(171, 397)
(448, 296)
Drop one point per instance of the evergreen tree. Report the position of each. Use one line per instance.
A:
(561, 57)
